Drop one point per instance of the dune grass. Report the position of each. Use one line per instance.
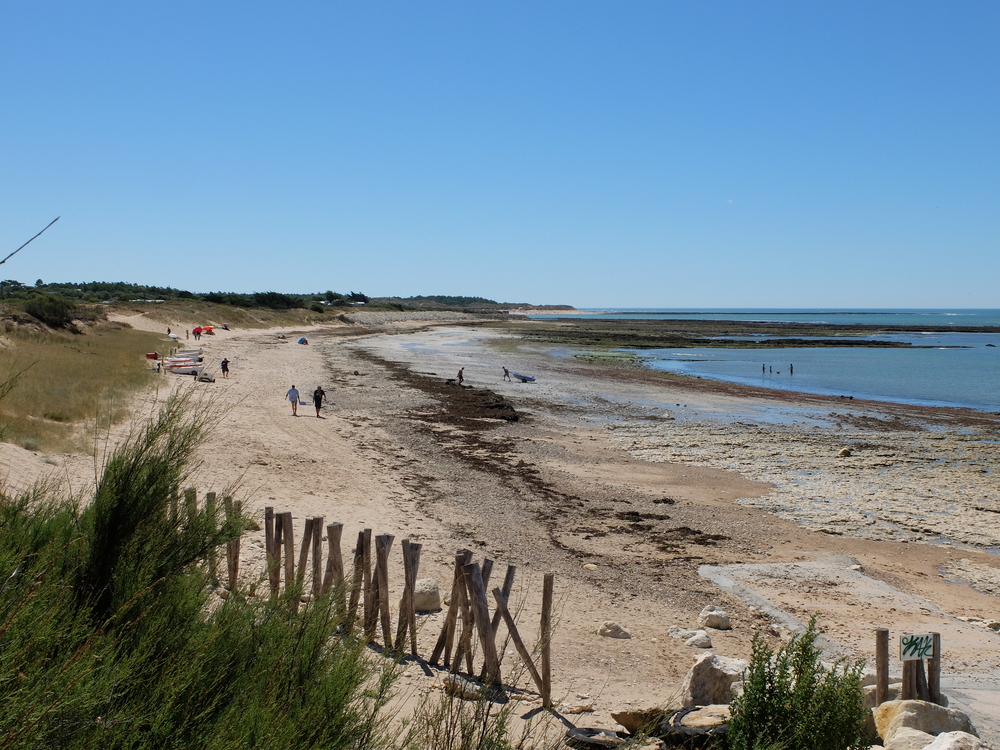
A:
(68, 380)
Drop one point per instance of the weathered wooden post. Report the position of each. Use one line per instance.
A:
(233, 510)
(317, 555)
(382, 546)
(446, 639)
(548, 589)
(478, 604)
(881, 666)
(334, 575)
(516, 637)
(403, 621)
(212, 556)
(288, 543)
(357, 581)
(272, 547)
(934, 670)
(300, 573)
(190, 503)
(371, 611)
(411, 612)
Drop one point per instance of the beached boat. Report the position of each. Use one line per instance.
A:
(188, 369)
(524, 378)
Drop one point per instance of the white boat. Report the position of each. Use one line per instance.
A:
(188, 369)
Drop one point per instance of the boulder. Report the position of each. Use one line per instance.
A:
(457, 685)
(844, 452)
(927, 717)
(426, 597)
(642, 721)
(905, 738)
(611, 629)
(958, 741)
(714, 617)
(700, 639)
(682, 633)
(710, 679)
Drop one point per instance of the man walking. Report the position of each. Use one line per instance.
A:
(225, 368)
(293, 396)
(506, 374)
(461, 375)
(318, 395)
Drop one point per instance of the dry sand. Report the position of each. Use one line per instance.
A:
(681, 493)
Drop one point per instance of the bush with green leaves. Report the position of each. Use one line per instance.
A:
(110, 635)
(54, 312)
(791, 701)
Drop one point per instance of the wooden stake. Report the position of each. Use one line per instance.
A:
(446, 639)
(371, 613)
(908, 690)
(934, 671)
(923, 693)
(501, 601)
(317, 553)
(213, 572)
(508, 585)
(464, 647)
(300, 573)
(272, 534)
(334, 576)
(288, 542)
(190, 503)
(477, 597)
(383, 579)
(547, 593)
(233, 509)
(487, 570)
(881, 666)
(357, 581)
(403, 621)
(411, 612)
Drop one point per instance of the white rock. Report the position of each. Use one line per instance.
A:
(927, 717)
(905, 738)
(710, 680)
(714, 617)
(683, 634)
(426, 597)
(957, 741)
(611, 629)
(700, 639)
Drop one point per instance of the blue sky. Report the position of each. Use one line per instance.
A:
(660, 154)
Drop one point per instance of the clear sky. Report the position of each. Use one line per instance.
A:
(638, 153)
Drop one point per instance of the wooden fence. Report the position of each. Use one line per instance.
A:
(366, 592)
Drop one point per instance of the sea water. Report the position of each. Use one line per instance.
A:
(944, 368)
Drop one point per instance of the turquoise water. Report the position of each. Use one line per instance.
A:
(948, 368)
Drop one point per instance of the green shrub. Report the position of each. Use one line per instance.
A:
(791, 701)
(54, 312)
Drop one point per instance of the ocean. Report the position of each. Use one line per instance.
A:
(951, 368)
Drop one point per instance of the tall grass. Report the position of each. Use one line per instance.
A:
(69, 380)
(109, 637)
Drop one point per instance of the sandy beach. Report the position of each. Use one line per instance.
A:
(674, 493)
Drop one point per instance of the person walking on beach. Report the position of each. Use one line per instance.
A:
(506, 374)
(187, 334)
(293, 396)
(461, 375)
(318, 395)
(225, 368)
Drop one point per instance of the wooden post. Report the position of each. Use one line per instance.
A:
(881, 666)
(272, 544)
(317, 553)
(934, 671)
(371, 614)
(357, 581)
(288, 542)
(233, 510)
(508, 585)
(908, 690)
(923, 693)
(190, 503)
(446, 639)
(334, 575)
(487, 570)
(464, 647)
(547, 593)
(382, 566)
(300, 573)
(477, 602)
(516, 637)
(213, 572)
(403, 621)
(411, 612)
(174, 502)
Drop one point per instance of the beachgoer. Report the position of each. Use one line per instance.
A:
(168, 330)
(791, 371)
(225, 368)
(506, 374)
(763, 369)
(770, 369)
(318, 395)
(293, 396)
(461, 375)
(187, 334)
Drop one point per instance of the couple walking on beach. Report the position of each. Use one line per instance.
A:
(318, 395)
